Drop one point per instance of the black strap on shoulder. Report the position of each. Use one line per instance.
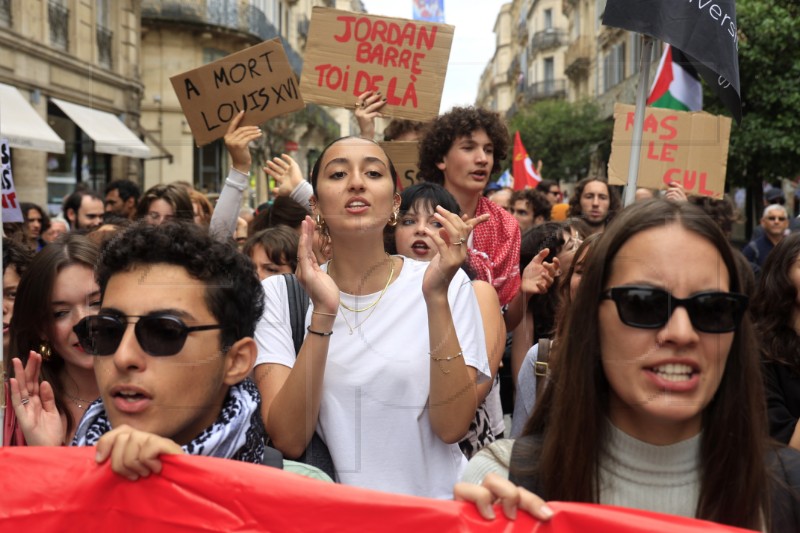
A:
(298, 306)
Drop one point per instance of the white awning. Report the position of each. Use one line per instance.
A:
(110, 134)
(22, 125)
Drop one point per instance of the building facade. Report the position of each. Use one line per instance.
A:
(180, 35)
(70, 94)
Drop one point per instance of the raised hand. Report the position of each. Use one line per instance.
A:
(321, 288)
(368, 108)
(495, 489)
(676, 192)
(237, 140)
(35, 405)
(538, 276)
(286, 172)
(134, 453)
(451, 243)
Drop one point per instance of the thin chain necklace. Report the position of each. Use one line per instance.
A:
(353, 328)
(77, 401)
(373, 304)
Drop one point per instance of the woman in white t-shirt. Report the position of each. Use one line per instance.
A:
(394, 347)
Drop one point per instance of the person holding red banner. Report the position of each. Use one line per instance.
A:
(658, 404)
(388, 344)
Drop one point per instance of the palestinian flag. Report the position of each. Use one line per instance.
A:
(677, 84)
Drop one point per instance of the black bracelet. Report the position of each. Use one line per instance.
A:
(320, 333)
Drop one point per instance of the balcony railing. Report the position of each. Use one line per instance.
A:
(578, 57)
(545, 89)
(58, 18)
(105, 38)
(545, 39)
(5, 13)
(227, 14)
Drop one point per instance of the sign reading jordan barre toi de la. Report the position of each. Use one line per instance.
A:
(348, 54)
(677, 146)
(258, 80)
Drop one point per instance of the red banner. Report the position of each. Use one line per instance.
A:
(525, 176)
(63, 489)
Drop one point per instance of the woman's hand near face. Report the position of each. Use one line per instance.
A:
(286, 172)
(237, 140)
(134, 453)
(451, 243)
(538, 276)
(496, 489)
(321, 288)
(35, 405)
(368, 108)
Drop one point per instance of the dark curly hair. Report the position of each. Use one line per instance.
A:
(233, 293)
(537, 201)
(459, 122)
(723, 211)
(575, 209)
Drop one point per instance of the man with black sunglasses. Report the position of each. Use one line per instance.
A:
(173, 346)
(775, 223)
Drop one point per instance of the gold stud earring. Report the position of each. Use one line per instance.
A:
(45, 351)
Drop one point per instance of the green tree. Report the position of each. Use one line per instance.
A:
(766, 146)
(565, 136)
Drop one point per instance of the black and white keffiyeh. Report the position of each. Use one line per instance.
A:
(237, 433)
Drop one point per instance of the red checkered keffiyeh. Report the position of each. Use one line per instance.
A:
(494, 254)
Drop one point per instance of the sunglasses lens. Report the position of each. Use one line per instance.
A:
(642, 307)
(715, 313)
(161, 335)
(100, 334)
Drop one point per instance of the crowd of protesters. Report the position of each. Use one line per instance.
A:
(358, 333)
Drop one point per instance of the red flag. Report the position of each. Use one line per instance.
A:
(525, 175)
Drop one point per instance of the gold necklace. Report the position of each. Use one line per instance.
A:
(373, 304)
(353, 328)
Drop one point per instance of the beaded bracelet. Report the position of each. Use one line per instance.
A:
(456, 356)
(320, 333)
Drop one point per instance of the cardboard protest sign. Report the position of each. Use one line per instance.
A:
(348, 54)
(404, 156)
(258, 80)
(11, 210)
(688, 148)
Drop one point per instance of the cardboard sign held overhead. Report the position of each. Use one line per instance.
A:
(404, 156)
(348, 54)
(688, 148)
(258, 79)
(11, 209)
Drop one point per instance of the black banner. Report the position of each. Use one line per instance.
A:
(705, 30)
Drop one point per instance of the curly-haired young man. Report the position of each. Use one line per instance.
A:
(461, 150)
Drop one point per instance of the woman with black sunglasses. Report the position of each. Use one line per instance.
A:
(657, 404)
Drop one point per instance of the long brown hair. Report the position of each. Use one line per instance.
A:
(774, 302)
(572, 414)
(33, 317)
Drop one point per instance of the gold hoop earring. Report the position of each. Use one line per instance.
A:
(393, 219)
(45, 351)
